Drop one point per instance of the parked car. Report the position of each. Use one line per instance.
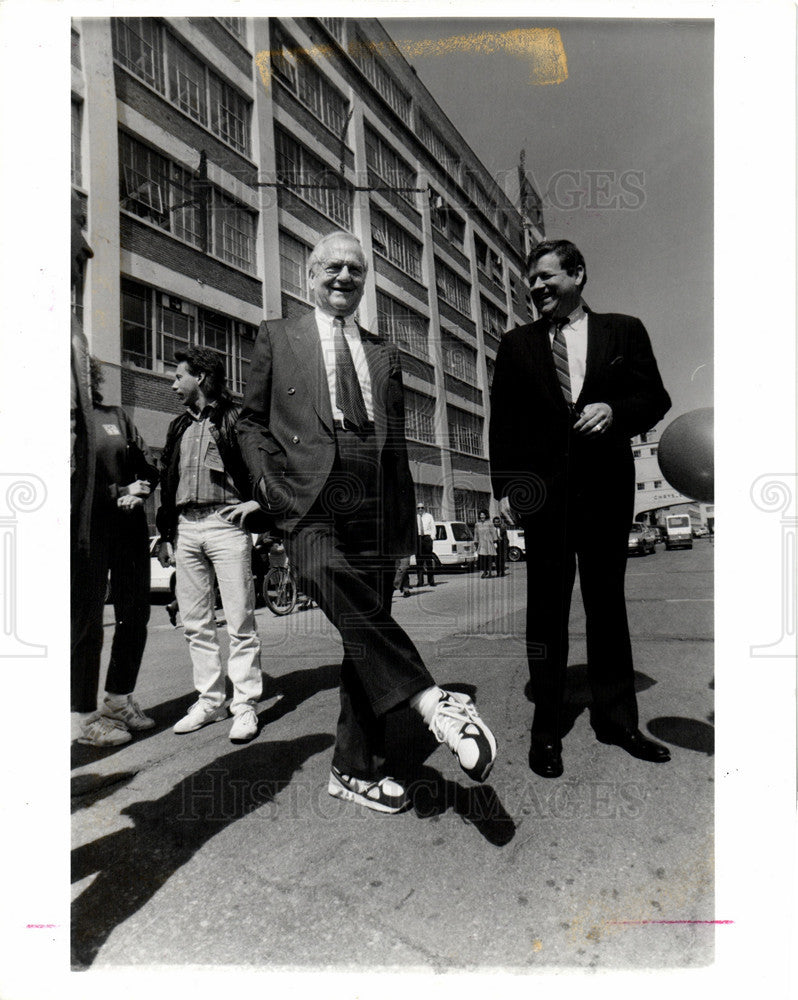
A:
(162, 578)
(701, 531)
(453, 546)
(517, 544)
(678, 532)
(641, 540)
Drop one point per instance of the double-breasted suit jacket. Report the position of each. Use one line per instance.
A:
(287, 432)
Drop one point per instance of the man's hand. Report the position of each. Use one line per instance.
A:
(128, 502)
(139, 488)
(165, 555)
(506, 510)
(595, 418)
(237, 514)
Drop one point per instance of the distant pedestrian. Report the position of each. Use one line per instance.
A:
(124, 477)
(205, 503)
(502, 546)
(425, 558)
(401, 580)
(485, 537)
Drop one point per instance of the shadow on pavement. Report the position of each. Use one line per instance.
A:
(691, 734)
(432, 795)
(131, 865)
(295, 688)
(86, 789)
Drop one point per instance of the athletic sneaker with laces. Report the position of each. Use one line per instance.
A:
(245, 725)
(199, 715)
(130, 713)
(385, 795)
(456, 723)
(100, 731)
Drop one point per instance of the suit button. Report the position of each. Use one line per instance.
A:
(291, 391)
(295, 440)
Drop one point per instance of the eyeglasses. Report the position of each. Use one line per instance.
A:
(333, 270)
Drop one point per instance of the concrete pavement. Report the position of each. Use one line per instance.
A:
(191, 850)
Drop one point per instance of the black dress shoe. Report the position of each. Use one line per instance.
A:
(545, 759)
(634, 743)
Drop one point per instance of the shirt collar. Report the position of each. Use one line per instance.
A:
(324, 321)
(573, 317)
(205, 413)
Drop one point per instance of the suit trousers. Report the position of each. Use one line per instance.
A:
(337, 552)
(577, 524)
(119, 543)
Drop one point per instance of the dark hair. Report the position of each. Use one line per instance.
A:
(96, 379)
(205, 361)
(483, 511)
(568, 254)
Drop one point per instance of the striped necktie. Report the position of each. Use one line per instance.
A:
(560, 354)
(348, 394)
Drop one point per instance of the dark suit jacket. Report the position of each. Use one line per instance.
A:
(533, 449)
(287, 434)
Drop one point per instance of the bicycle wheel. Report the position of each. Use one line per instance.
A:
(279, 590)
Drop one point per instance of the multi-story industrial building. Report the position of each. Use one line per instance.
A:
(214, 152)
(654, 496)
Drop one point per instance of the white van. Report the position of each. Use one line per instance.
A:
(678, 532)
(453, 546)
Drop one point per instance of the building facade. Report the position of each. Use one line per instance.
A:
(214, 152)
(654, 496)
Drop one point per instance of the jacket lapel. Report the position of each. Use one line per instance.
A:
(377, 360)
(306, 345)
(597, 347)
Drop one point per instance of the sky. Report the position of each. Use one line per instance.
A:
(621, 151)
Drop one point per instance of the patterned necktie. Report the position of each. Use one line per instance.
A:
(560, 353)
(348, 394)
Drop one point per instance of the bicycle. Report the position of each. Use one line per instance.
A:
(280, 590)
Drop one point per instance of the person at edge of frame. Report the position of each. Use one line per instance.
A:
(569, 391)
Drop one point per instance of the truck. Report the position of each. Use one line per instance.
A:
(678, 532)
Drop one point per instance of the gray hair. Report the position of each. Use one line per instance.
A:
(317, 254)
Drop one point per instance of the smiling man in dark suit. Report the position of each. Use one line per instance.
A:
(568, 393)
(322, 431)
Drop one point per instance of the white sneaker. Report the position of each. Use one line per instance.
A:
(199, 715)
(457, 724)
(245, 725)
(103, 732)
(130, 713)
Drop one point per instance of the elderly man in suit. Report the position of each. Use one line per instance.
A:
(568, 393)
(322, 431)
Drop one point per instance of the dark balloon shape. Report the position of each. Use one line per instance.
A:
(686, 454)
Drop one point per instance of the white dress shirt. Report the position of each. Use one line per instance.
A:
(575, 333)
(324, 323)
(425, 523)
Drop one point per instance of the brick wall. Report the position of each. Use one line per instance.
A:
(456, 318)
(411, 365)
(462, 389)
(148, 391)
(423, 453)
(468, 463)
(283, 98)
(164, 249)
(404, 281)
(442, 243)
(224, 41)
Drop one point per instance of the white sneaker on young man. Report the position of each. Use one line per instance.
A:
(130, 713)
(199, 715)
(456, 723)
(99, 731)
(385, 795)
(245, 725)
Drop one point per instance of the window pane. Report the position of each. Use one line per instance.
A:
(137, 45)
(187, 81)
(135, 315)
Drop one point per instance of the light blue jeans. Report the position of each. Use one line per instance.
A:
(207, 543)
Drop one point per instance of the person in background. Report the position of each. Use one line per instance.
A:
(485, 537)
(401, 580)
(205, 502)
(425, 560)
(124, 477)
(502, 545)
